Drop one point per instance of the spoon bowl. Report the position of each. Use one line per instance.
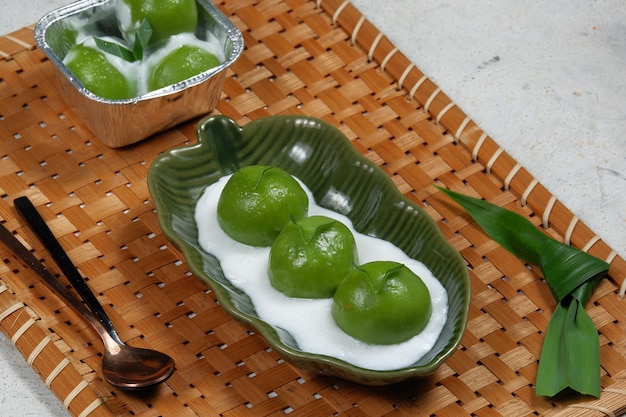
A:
(136, 368)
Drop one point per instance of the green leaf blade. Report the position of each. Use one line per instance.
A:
(570, 357)
(551, 378)
(566, 268)
(115, 49)
(142, 38)
(512, 231)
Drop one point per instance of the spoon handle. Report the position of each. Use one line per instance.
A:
(39, 226)
(51, 281)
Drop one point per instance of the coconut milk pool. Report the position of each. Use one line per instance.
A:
(309, 321)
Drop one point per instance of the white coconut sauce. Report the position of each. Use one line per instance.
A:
(309, 321)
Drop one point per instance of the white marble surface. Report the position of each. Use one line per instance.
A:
(545, 79)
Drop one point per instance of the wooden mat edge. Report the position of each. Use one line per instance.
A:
(23, 326)
(36, 343)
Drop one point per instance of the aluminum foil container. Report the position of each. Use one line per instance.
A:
(118, 123)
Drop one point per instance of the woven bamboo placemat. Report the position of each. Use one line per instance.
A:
(319, 58)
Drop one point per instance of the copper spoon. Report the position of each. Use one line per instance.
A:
(40, 227)
(123, 366)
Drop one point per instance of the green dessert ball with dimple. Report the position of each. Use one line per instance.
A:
(180, 64)
(98, 74)
(382, 302)
(166, 17)
(257, 202)
(311, 256)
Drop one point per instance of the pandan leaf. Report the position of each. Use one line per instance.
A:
(142, 38)
(570, 356)
(116, 49)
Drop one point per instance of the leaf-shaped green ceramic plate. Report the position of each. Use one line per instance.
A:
(341, 180)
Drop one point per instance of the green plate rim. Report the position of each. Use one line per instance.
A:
(287, 141)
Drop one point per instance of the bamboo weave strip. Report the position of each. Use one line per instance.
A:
(320, 58)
